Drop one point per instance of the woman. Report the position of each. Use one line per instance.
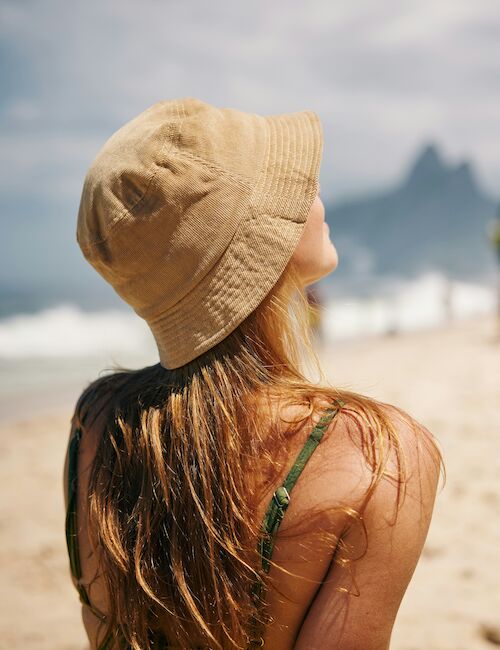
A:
(182, 526)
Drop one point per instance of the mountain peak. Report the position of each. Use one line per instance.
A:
(463, 170)
(428, 164)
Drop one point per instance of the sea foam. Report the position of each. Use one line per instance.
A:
(66, 331)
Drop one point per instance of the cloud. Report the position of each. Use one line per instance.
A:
(383, 75)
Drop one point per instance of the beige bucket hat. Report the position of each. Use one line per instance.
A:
(191, 213)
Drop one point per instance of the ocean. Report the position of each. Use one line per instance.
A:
(49, 355)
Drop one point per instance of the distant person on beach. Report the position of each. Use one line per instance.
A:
(495, 241)
(218, 498)
(495, 235)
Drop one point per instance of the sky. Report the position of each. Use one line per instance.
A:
(385, 77)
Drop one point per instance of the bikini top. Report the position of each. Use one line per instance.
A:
(269, 528)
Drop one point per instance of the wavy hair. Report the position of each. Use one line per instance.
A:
(171, 504)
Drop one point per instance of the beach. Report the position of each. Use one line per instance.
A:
(448, 378)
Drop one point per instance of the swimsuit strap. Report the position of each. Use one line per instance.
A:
(277, 508)
(270, 524)
(72, 532)
(72, 544)
(159, 641)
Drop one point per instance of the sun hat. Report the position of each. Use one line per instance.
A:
(191, 212)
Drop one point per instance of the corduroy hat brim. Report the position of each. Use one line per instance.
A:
(260, 248)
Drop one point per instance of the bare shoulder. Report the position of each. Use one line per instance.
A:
(354, 444)
(393, 495)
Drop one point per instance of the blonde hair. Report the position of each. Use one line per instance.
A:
(171, 513)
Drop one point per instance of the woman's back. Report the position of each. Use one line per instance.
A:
(309, 603)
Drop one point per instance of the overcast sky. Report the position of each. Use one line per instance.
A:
(385, 76)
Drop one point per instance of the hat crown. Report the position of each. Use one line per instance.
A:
(151, 199)
(171, 197)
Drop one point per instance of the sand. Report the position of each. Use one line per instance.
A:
(449, 379)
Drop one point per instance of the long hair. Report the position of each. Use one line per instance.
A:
(171, 501)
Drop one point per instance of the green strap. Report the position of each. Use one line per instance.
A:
(277, 508)
(159, 642)
(71, 530)
(71, 521)
(270, 524)
(281, 497)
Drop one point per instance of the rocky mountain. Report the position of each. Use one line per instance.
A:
(435, 219)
